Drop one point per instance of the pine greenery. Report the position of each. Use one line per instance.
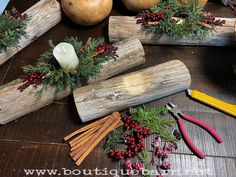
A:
(153, 119)
(113, 139)
(145, 159)
(191, 14)
(12, 28)
(61, 78)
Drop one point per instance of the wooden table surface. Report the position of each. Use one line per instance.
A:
(35, 140)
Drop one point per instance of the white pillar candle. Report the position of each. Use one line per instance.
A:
(66, 56)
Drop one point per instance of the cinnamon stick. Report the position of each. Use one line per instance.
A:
(153, 23)
(85, 134)
(179, 22)
(114, 117)
(73, 153)
(94, 124)
(205, 25)
(78, 146)
(87, 43)
(97, 141)
(82, 140)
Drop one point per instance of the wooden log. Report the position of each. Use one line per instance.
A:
(14, 104)
(119, 93)
(121, 27)
(44, 15)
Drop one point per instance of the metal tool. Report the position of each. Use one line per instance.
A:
(179, 116)
(215, 103)
(3, 5)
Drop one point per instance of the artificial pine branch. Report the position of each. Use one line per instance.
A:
(144, 158)
(113, 139)
(152, 118)
(47, 70)
(177, 20)
(12, 28)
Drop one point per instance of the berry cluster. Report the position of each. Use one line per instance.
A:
(13, 13)
(106, 49)
(165, 165)
(34, 79)
(211, 20)
(144, 18)
(18, 15)
(161, 153)
(134, 140)
(130, 167)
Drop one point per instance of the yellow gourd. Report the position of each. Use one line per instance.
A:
(87, 12)
(139, 5)
(201, 2)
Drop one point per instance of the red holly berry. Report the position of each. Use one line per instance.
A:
(134, 141)
(144, 18)
(35, 79)
(106, 48)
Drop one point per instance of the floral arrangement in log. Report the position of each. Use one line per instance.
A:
(68, 65)
(12, 28)
(178, 21)
(139, 124)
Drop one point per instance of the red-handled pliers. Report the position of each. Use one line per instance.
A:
(179, 116)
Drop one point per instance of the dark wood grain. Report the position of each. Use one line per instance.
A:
(35, 140)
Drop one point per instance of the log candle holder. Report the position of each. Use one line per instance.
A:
(44, 15)
(14, 104)
(121, 27)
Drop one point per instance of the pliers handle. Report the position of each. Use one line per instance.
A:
(179, 116)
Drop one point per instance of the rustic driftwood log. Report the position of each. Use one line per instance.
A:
(121, 27)
(97, 100)
(44, 15)
(14, 104)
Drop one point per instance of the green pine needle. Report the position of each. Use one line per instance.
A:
(113, 139)
(11, 29)
(61, 79)
(145, 159)
(153, 119)
(191, 14)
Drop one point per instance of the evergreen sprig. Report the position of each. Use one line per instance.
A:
(144, 158)
(12, 28)
(113, 139)
(190, 14)
(153, 119)
(90, 63)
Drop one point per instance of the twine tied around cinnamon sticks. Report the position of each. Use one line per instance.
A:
(91, 135)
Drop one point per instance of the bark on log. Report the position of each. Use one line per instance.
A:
(44, 15)
(121, 27)
(14, 104)
(119, 93)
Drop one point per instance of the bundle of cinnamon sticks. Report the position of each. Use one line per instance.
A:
(91, 135)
